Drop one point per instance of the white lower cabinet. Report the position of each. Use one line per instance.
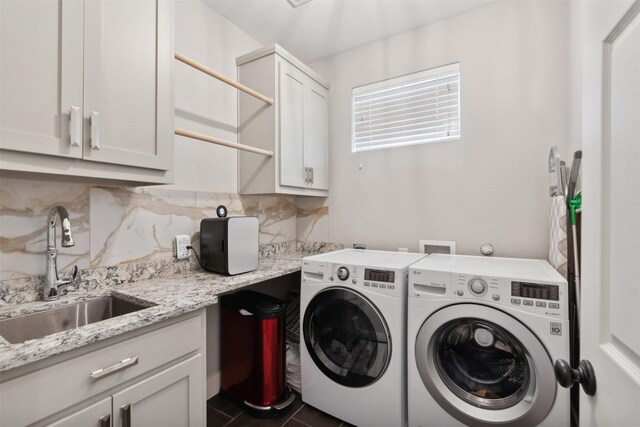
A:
(173, 397)
(153, 377)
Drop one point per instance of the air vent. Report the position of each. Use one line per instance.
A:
(437, 247)
(296, 3)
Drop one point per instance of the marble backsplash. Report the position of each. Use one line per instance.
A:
(122, 225)
(28, 289)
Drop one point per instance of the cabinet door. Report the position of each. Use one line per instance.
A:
(41, 76)
(291, 112)
(174, 397)
(127, 82)
(96, 415)
(316, 134)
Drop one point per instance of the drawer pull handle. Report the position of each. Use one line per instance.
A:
(105, 421)
(125, 410)
(101, 373)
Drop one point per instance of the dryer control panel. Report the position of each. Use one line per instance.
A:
(378, 280)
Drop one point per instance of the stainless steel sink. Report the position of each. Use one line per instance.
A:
(47, 322)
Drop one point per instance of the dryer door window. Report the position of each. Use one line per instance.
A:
(484, 366)
(347, 337)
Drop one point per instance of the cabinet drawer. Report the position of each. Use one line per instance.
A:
(36, 395)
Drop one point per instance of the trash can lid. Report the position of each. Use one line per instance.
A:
(260, 305)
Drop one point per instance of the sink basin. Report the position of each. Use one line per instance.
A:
(37, 325)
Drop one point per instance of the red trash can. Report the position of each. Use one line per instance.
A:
(253, 354)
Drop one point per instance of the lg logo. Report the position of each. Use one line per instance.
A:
(556, 328)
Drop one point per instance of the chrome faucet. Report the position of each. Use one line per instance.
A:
(52, 282)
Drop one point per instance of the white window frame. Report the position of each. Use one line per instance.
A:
(395, 82)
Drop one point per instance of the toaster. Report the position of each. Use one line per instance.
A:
(229, 245)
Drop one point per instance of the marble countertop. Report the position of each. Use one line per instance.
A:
(172, 296)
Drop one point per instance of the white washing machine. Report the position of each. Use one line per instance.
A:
(483, 335)
(353, 336)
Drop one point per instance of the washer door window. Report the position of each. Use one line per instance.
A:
(347, 337)
(485, 367)
(482, 363)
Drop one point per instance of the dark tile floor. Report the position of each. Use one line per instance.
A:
(223, 412)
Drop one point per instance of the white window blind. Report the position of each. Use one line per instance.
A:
(413, 109)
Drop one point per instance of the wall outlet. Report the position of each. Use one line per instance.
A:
(180, 244)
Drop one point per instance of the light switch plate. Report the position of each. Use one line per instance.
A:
(180, 244)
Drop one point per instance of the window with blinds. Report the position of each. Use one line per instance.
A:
(417, 108)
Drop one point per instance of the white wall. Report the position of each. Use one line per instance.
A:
(205, 105)
(202, 103)
(491, 186)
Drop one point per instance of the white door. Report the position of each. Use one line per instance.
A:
(610, 318)
(41, 76)
(127, 82)
(174, 397)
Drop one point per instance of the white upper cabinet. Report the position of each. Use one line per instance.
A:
(295, 127)
(41, 76)
(87, 88)
(127, 73)
(316, 134)
(292, 131)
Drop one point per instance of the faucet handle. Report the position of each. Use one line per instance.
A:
(70, 277)
(66, 280)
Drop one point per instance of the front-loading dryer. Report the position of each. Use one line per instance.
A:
(483, 336)
(353, 336)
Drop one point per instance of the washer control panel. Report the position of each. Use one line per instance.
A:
(543, 298)
(548, 299)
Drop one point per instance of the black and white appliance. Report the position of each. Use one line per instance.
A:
(229, 245)
(483, 336)
(352, 343)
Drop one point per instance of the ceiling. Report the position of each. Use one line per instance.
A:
(324, 28)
